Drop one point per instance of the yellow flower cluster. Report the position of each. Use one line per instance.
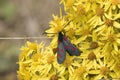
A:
(94, 27)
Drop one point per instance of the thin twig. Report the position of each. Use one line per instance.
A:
(5, 38)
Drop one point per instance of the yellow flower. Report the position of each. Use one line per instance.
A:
(70, 31)
(20, 76)
(66, 66)
(110, 20)
(29, 49)
(54, 42)
(56, 26)
(54, 77)
(32, 46)
(49, 63)
(111, 41)
(91, 5)
(116, 56)
(26, 76)
(114, 4)
(97, 18)
(67, 4)
(92, 57)
(83, 33)
(81, 71)
(80, 10)
(117, 69)
(23, 70)
(106, 70)
(101, 16)
(30, 58)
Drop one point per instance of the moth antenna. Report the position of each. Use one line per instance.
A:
(68, 23)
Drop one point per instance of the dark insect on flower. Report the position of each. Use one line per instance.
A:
(64, 45)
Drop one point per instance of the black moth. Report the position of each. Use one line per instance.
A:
(64, 45)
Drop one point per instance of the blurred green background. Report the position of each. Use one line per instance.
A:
(20, 18)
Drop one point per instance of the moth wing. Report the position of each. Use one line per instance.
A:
(70, 48)
(61, 53)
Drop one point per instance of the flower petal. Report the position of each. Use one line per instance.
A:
(118, 41)
(117, 16)
(116, 24)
